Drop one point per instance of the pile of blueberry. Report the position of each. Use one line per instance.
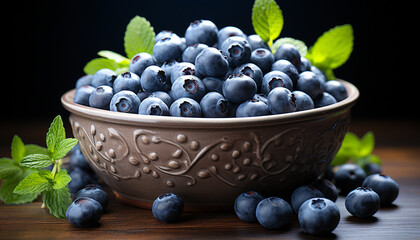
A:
(80, 171)
(315, 204)
(211, 73)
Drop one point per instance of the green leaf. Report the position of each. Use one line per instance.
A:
(62, 178)
(56, 133)
(112, 55)
(18, 149)
(332, 48)
(367, 143)
(267, 20)
(33, 148)
(139, 37)
(349, 149)
(57, 201)
(9, 168)
(33, 183)
(63, 147)
(37, 161)
(301, 46)
(99, 63)
(7, 195)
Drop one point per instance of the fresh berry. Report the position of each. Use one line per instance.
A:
(94, 192)
(153, 106)
(101, 97)
(214, 105)
(263, 58)
(275, 79)
(290, 53)
(256, 42)
(185, 107)
(211, 63)
(324, 99)
(139, 62)
(182, 69)
(305, 65)
(348, 177)
(167, 49)
(125, 101)
(79, 179)
(103, 77)
(386, 187)
(168, 207)
(362, 202)
(310, 84)
(164, 96)
(239, 88)
(246, 204)
(213, 84)
(82, 94)
(287, 67)
(281, 100)
(85, 80)
(318, 216)
(274, 213)
(78, 160)
(252, 71)
(228, 32)
(201, 31)
(127, 81)
(336, 89)
(188, 86)
(84, 212)
(252, 108)
(154, 79)
(303, 193)
(303, 101)
(237, 50)
(191, 52)
(327, 188)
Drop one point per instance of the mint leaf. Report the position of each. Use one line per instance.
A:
(62, 178)
(7, 195)
(63, 147)
(112, 55)
(33, 183)
(33, 148)
(57, 201)
(56, 133)
(267, 20)
(8, 168)
(99, 63)
(18, 148)
(367, 143)
(333, 48)
(139, 37)
(301, 46)
(37, 161)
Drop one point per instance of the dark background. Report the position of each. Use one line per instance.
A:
(49, 42)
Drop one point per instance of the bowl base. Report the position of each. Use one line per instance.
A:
(187, 208)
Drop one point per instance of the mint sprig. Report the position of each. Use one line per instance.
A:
(139, 37)
(359, 151)
(267, 20)
(52, 185)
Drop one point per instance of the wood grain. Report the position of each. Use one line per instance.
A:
(400, 221)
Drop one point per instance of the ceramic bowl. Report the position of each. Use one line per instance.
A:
(208, 161)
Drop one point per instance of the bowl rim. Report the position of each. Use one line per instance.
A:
(190, 122)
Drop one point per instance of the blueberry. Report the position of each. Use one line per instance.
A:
(275, 79)
(303, 101)
(164, 96)
(101, 97)
(362, 202)
(139, 62)
(79, 179)
(154, 79)
(214, 105)
(386, 187)
(168, 66)
(188, 86)
(290, 53)
(85, 80)
(82, 94)
(252, 71)
(373, 168)
(78, 160)
(348, 177)
(168, 207)
(309, 83)
(125, 101)
(252, 108)
(191, 52)
(237, 50)
(165, 34)
(181, 69)
(185, 107)
(127, 81)
(263, 58)
(318, 216)
(287, 67)
(303, 193)
(84, 212)
(281, 100)
(260, 97)
(323, 100)
(228, 32)
(153, 106)
(246, 204)
(321, 76)
(167, 49)
(305, 65)
(211, 63)
(274, 213)
(238, 88)
(213, 84)
(327, 188)
(94, 192)
(201, 31)
(336, 89)
(103, 77)
(256, 42)
(142, 95)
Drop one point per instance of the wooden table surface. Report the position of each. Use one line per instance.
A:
(397, 145)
